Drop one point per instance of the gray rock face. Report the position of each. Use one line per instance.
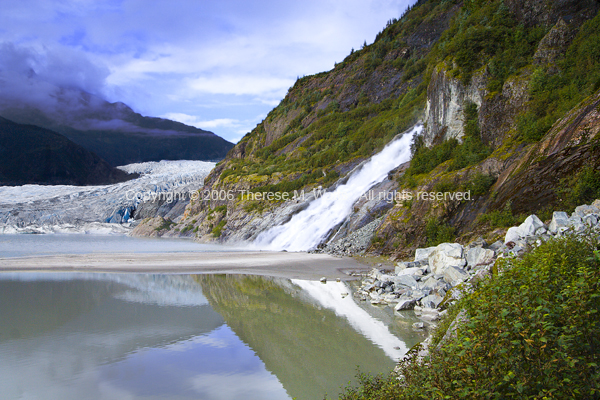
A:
(526, 229)
(584, 210)
(423, 254)
(405, 304)
(454, 275)
(560, 219)
(431, 301)
(405, 280)
(479, 256)
(446, 255)
(530, 225)
(422, 285)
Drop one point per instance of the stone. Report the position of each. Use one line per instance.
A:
(560, 219)
(512, 235)
(423, 254)
(431, 301)
(590, 220)
(530, 225)
(481, 275)
(430, 283)
(584, 210)
(479, 242)
(540, 231)
(323, 280)
(454, 275)
(596, 203)
(496, 245)
(418, 325)
(410, 271)
(405, 304)
(446, 255)
(479, 256)
(405, 280)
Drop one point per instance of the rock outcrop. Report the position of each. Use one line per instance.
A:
(438, 275)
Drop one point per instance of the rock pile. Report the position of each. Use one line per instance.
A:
(430, 279)
(355, 243)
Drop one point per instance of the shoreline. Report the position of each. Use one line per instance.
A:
(276, 264)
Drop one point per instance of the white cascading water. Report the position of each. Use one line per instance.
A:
(305, 230)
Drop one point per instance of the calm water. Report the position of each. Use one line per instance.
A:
(138, 336)
(35, 245)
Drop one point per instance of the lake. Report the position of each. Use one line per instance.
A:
(181, 336)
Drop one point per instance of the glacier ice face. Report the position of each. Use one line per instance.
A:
(96, 209)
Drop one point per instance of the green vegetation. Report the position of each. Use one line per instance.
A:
(484, 33)
(480, 184)
(216, 231)
(501, 218)
(470, 152)
(529, 333)
(583, 188)
(438, 232)
(556, 89)
(166, 224)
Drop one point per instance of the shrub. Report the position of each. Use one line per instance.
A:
(582, 188)
(217, 230)
(529, 333)
(480, 184)
(500, 218)
(438, 232)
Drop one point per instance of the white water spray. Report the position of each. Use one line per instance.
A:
(309, 227)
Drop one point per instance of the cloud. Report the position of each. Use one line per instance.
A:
(251, 385)
(178, 56)
(240, 85)
(237, 127)
(40, 76)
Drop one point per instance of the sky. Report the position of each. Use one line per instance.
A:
(219, 65)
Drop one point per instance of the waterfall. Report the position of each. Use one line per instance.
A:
(307, 229)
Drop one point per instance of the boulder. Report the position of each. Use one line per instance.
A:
(582, 211)
(560, 219)
(590, 220)
(454, 275)
(431, 301)
(405, 304)
(479, 256)
(530, 225)
(512, 235)
(446, 255)
(423, 254)
(481, 275)
(405, 280)
(410, 271)
(479, 242)
(429, 284)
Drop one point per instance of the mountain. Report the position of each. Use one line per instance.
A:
(112, 130)
(34, 155)
(507, 92)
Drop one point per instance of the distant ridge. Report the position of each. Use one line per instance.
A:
(113, 130)
(34, 155)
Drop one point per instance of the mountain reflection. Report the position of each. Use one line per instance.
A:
(140, 336)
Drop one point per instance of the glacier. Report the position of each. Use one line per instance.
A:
(104, 209)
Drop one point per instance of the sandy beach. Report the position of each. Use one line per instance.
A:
(278, 264)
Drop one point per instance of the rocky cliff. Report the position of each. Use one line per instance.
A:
(507, 91)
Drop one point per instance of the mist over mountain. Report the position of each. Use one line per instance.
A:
(56, 91)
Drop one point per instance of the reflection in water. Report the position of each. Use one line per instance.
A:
(334, 295)
(312, 350)
(138, 336)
